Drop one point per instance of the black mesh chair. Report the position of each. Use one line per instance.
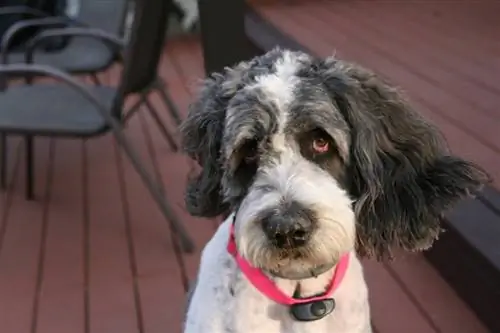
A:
(69, 108)
(82, 55)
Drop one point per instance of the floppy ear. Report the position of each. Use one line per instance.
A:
(402, 176)
(201, 137)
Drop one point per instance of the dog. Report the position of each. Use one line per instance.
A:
(316, 163)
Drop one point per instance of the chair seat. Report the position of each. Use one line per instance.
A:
(53, 110)
(81, 55)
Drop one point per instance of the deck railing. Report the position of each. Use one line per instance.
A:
(223, 34)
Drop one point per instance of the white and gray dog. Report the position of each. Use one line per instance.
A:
(313, 160)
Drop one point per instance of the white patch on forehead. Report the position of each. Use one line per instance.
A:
(279, 86)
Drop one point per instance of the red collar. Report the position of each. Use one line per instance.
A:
(267, 287)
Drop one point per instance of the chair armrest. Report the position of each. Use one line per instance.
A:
(13, 30)
(40, 70)
(17, 10)
(115, 44)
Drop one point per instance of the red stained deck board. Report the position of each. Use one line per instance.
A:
(442, 306)
(391, 308)
(443, 66)
(19, 252)
(111, 294)
(409, 293)
(61, 262)
(105, 262)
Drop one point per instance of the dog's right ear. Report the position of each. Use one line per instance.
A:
(402, 175)
(201, 137)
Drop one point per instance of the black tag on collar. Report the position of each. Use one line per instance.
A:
(313, 310)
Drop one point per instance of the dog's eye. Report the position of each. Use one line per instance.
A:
(320, 145)
(317, 145)
(320, 142)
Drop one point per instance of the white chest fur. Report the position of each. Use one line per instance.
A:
(225, 302)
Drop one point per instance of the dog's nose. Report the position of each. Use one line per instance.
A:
(288, 228)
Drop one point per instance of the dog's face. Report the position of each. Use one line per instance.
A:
(285, 149)
(316, 157)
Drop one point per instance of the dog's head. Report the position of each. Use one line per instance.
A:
(318, 157)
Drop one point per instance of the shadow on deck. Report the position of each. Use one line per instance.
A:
(92, 254)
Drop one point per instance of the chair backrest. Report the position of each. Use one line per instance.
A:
(107, 15)
(146, 45)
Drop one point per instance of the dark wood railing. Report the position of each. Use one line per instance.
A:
(223, 36)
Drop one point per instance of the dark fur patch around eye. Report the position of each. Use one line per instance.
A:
(246, 160)
(330, 160)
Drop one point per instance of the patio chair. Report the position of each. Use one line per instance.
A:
(68, 108)
(82, 55)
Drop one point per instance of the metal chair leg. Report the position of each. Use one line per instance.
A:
(163, 129)
(172, 108)
(176, 226)
(29, 167)
(156, 191)
(3, 161)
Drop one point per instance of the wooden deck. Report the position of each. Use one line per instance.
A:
(92, 254)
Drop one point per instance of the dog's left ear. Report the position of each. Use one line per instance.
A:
(402, 177)
(202, 140)
(201, 136)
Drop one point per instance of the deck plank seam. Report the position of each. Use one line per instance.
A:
(45, 221)
(159, 177)
(9, 195)
(132, 259)
(86, 236)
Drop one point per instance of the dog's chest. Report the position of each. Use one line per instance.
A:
(224, 301)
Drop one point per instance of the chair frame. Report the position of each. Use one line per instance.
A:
(42, 19)
(114, 42)
(139, 77)
(116, 127)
